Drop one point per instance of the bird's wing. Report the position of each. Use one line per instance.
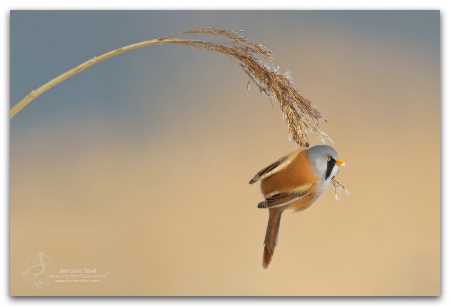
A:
(283, 199)
(274, 167)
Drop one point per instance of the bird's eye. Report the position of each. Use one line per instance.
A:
(328, 158)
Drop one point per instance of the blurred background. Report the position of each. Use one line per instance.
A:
(139, 166)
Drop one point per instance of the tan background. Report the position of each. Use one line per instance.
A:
(153, 186)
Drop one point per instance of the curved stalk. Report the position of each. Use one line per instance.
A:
(97, 59)
(300, 114)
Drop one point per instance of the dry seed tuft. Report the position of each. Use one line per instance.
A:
(300, 114)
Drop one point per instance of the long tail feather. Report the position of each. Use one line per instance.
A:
(271, 236)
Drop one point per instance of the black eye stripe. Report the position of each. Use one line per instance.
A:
(330, 165)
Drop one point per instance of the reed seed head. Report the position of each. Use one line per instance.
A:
(300, 114)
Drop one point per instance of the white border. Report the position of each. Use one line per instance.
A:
(8, 5)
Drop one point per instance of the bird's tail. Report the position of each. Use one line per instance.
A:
(271, 236)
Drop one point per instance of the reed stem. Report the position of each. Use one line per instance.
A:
(83, 66)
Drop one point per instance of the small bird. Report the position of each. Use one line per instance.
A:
(294, 182)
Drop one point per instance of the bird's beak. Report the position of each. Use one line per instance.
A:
(340, 162)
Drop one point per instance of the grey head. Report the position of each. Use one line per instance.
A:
(323, 159)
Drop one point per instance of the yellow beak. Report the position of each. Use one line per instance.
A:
(340, 162)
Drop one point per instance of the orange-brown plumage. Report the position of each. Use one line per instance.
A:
(297, 175)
